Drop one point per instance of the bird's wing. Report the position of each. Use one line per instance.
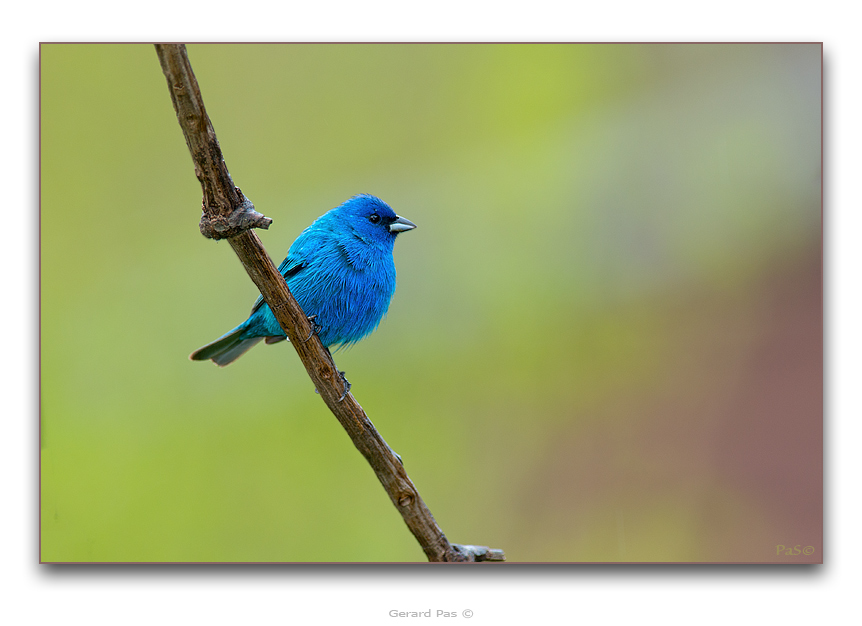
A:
(288, 268)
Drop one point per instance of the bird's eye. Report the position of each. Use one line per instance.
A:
(374, 218)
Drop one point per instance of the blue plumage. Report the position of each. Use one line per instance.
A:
(340, 270)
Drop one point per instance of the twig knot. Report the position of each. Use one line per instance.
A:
(214, 225)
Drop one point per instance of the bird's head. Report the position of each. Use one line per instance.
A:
(372, 218)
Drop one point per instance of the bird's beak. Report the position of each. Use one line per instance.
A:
(400, 225)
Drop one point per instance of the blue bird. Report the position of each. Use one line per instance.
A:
(341, 272)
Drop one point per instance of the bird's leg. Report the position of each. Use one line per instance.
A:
(347, 385)
(315, 328)
(346, 382)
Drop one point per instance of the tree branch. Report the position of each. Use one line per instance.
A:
(228, 214)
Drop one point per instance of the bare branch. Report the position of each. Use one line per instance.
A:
(228, 214)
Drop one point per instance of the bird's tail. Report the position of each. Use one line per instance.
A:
(227, 348)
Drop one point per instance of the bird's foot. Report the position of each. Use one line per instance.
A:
(344, 393)
(347, 386)
(315, 328)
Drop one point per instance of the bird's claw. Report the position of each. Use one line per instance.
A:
(315, 328)
(347, 386)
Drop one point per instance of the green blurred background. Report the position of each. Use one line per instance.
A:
(606, 343)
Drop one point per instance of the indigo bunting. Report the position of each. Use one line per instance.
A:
(341, 272)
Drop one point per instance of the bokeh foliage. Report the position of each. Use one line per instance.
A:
(613, 287)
